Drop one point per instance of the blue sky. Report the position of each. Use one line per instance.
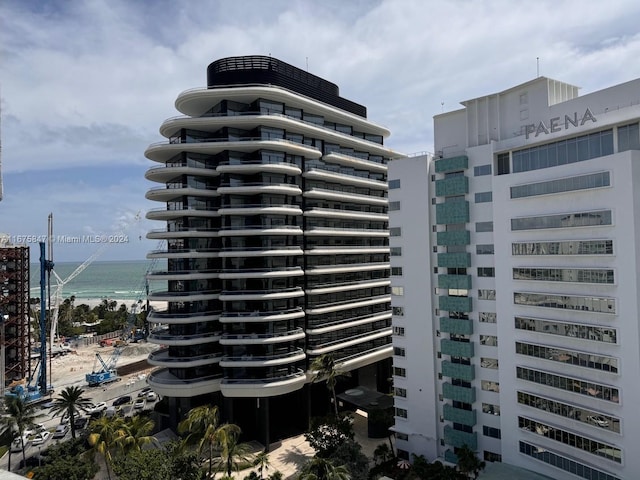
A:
(85, 85)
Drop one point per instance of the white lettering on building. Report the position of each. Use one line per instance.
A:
(555, 124)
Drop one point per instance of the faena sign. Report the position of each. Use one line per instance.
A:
(555, 125)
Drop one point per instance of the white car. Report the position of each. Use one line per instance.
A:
(97, 408)
(41, 437)
(16, 445)
(598, 420)
(152, 397)
(61, 431)
(139, 404)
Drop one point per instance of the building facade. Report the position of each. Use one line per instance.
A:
(516, 300)
(274, 204)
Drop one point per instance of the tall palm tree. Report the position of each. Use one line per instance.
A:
(261, 461)
(105, 435)
(201, 425)
(322, 469)
(137, 432)
(21, 416)
(232, 452)
(71, 402)
(324, 368)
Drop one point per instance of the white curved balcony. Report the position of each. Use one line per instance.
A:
(348, 267)
(183, 275)
(172, 214)
(161, 358)
(249, 167)
(261, 230)
(366, 358)
(184, 253)
(355, 162)
(340, 344)
(344, 196)
(262, 273)
(262, 339)
(348, 324)
(165, 317)
(261, 317)
(267, 387)
(261, 252)
(345, 250)
(164, 194)
(194, 101)
(163, 174)
(246, 361)
(291, 210)
(164, 234)
(227, 296)
(345, 232)
(326, 175)
(183, 296)
(332, 288)
(164, 151)
(163, 337)
(335, 307)
(249, 188)
(164, 383)
(331, 213)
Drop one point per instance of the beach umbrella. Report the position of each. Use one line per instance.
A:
(404, 464)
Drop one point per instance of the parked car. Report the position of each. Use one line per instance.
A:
(140, 404)
(598, 420)
(61, 431)
(40, 438)
(80, 422)
(152, 397)
(16, 445)
(111, 412)
(97, 408)
(144, 392)
(121, 401)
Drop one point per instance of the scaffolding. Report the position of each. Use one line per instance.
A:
(14, 310)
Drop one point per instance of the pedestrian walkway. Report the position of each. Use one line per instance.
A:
(289, 455)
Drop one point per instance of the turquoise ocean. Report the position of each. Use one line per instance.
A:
(118, 280)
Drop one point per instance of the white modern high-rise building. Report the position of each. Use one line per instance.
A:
(515, 282)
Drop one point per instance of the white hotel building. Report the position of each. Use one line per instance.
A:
(515, 283)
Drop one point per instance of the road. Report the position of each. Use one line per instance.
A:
(128, 385)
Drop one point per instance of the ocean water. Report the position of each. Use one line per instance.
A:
(114, 280)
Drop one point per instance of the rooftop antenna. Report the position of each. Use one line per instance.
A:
(537, 67)
(442, 105)
(307, 59)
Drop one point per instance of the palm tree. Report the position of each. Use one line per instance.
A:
(136, 434)
(21, 416)
(232, 453)
(106, 433)
(468, 463)
(201, 423)
(324, 368)
(71, 402)
(261, 461)
(322, 469)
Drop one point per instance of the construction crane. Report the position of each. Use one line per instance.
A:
(30, 392)
(60, 283)
(107, 373)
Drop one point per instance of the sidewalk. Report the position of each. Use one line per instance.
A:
(288, 455)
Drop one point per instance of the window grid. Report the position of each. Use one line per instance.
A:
(564, 329)
(574, 275)
(566, 302)
(484, 226)
(575, 247)
(569, 357)
(601, 449)
(484, 197)
(575, 385)
(563, 220)
(561, 185)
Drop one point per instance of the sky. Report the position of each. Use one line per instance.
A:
(85, 85)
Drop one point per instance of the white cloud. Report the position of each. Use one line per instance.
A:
(88, 83)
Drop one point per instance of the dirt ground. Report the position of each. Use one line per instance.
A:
(71, 368)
